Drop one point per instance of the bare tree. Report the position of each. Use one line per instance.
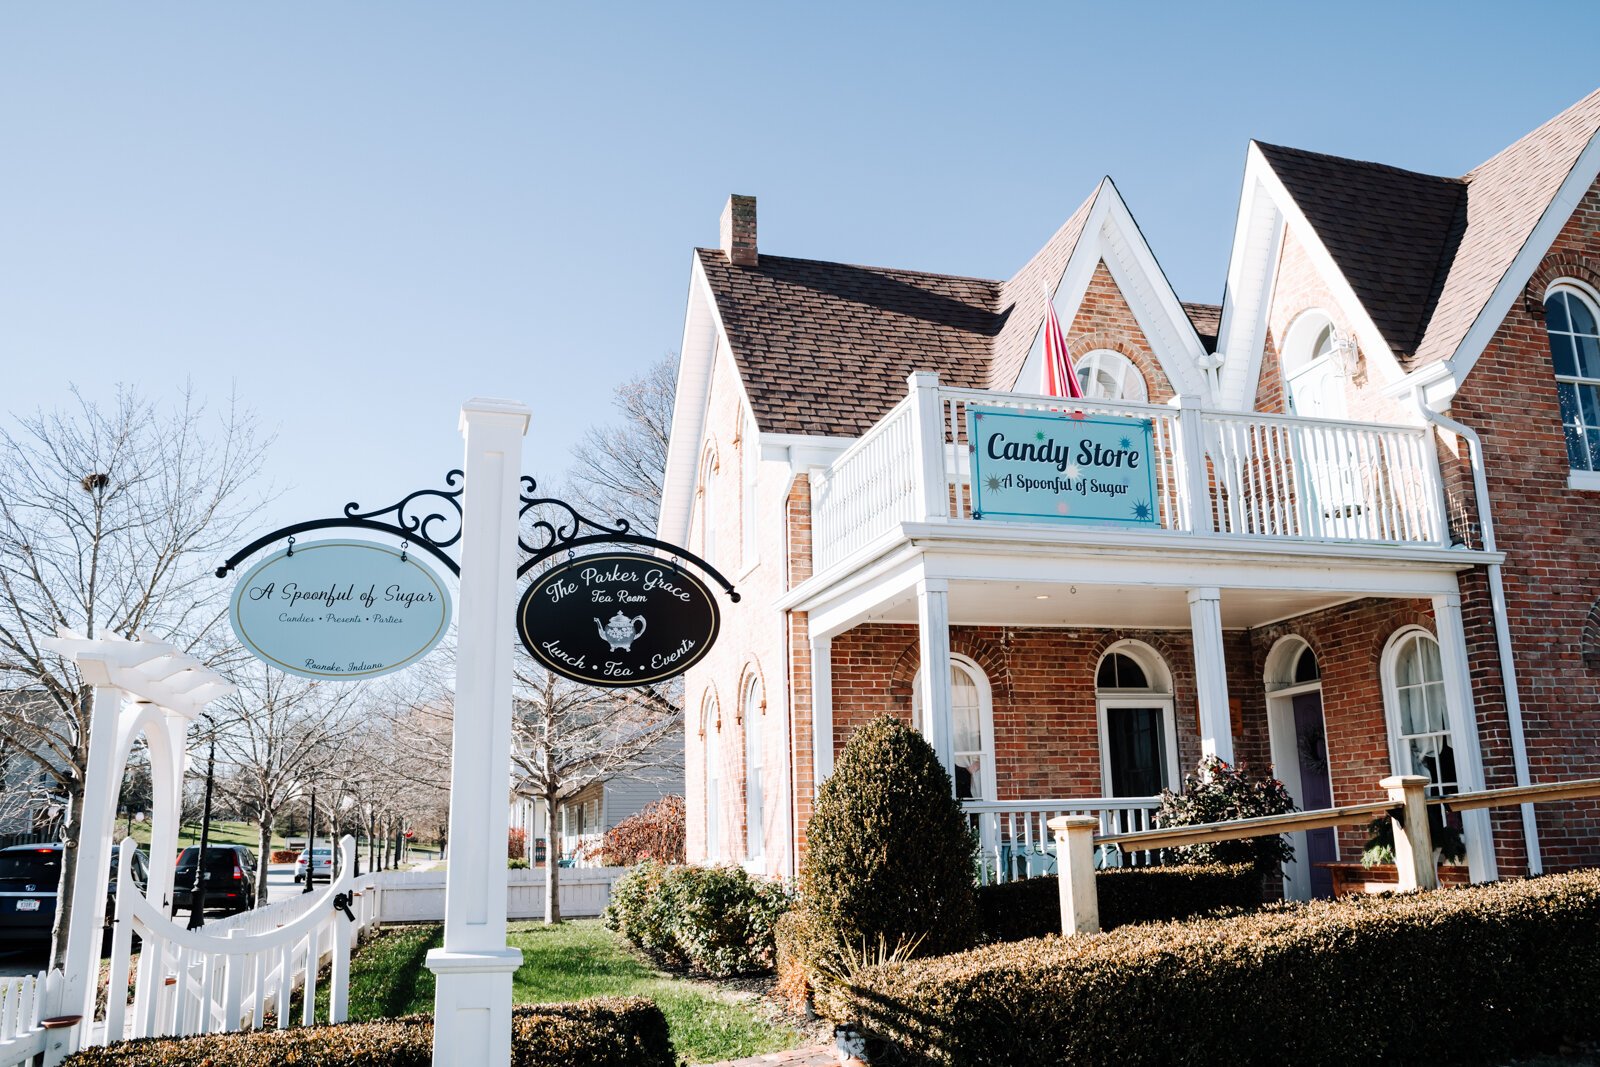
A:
(618, 470)
(111, 519)
(275, 734)
(567, 737)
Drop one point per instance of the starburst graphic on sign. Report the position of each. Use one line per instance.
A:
(992, 484)
(1077, 414)
(1039, 436)
(1073, 470)
(1141, 511)
(1124, 443)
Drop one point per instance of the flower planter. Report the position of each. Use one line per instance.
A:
(1354, 878)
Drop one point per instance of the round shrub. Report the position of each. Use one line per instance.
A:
(716, 920)
(890, 855)
(655, 832)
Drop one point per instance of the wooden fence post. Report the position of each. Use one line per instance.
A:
(1413, 839)
(1080, 907)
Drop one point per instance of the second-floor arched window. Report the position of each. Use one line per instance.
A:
(1107, 375)
(1573, 326)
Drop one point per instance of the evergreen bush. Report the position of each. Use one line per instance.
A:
(715, 920)
(890, 856)
(1015, 911)
(1480, 974)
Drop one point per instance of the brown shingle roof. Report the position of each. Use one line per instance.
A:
(1425, 253)
(1023, 297)
(1388, 231)
(824, 348)
(1506, 197)
(1207, 322)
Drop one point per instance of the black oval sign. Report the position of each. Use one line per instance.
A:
(618, 620)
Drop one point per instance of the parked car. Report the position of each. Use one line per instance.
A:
(229, 879)
(29, 877)
(324, 871)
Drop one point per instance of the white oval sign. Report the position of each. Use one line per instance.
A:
(340, 610)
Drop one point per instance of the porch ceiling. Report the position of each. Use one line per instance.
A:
(993, 603)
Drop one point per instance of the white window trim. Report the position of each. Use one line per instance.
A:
(756, 828)
(990, 784)
(1155, 668)
(711, 779)
(1577, 478)
(1399, 761)
(1094, 358)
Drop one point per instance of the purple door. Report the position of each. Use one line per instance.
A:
(1311, 745)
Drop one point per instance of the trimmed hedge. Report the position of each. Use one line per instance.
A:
(717, 920)
(608, 1032)
(1015, 911)
(1469, 975)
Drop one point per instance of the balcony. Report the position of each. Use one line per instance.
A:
(1270, 479)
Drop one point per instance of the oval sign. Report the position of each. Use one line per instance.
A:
(340, 610)
(618, 619)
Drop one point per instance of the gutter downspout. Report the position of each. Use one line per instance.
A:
(1502, 623)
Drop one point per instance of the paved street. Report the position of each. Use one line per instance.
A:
(30, 960)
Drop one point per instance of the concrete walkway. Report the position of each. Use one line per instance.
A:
(815, 1056)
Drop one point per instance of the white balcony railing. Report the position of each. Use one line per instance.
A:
(1223, 474)
(1014, 840)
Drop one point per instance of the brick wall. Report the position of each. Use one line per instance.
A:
(1104, 320)
(1551, 537)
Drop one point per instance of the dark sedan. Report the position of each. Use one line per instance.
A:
(29, 876)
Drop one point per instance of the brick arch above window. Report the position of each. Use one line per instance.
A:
(710, 710)
(751, 673)
(1157, 385)
(1553, 270)
(988, 655)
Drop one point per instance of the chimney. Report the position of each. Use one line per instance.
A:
(739, 230)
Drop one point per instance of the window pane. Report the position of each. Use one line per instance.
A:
(1135, 744)
(1435, 695)
(1405, 668)
(1305, 668)
(1568, 394)
(1582, 316)
(969, 777)
(1594, 449)
(1555, 313)
(1588, 356)
(1429, 648)
(1577, 451)
(968, 732)
(1561, 353)
(1589, 403)
(1413, 711)
(1107, 676)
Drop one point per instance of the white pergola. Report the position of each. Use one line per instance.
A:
(142, 686)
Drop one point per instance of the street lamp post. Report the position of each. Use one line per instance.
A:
(311, 842)
(197, 895)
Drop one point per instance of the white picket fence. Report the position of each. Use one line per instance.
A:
(22, 1035)
(418, 896)
(229, 974)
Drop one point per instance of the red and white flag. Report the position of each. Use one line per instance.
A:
(1059, 379)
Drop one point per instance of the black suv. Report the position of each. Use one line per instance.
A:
(29, 877)
(230, 879)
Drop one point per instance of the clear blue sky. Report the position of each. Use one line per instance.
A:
(360, 214)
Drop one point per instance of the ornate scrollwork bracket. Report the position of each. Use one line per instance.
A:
(429, 519)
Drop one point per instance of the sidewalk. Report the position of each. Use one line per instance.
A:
(815, 1056)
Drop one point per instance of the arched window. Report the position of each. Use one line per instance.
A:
(711, 727)
(754, 773)
(1419, 721)
(1573, 327)
(971, 728)
(1133, 702)
(1107, 375)
(1311, 368)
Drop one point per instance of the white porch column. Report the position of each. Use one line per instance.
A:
(1481, 865)
(933, 627)
(472, 1001)
(91, 856)
(1211, 673)
(821, 708)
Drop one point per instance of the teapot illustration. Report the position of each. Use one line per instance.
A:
(620, 632)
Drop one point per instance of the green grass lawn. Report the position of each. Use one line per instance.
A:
(568, 962)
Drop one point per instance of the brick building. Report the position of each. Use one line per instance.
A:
(1373, 544)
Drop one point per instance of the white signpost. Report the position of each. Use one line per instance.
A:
(472, 1000)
